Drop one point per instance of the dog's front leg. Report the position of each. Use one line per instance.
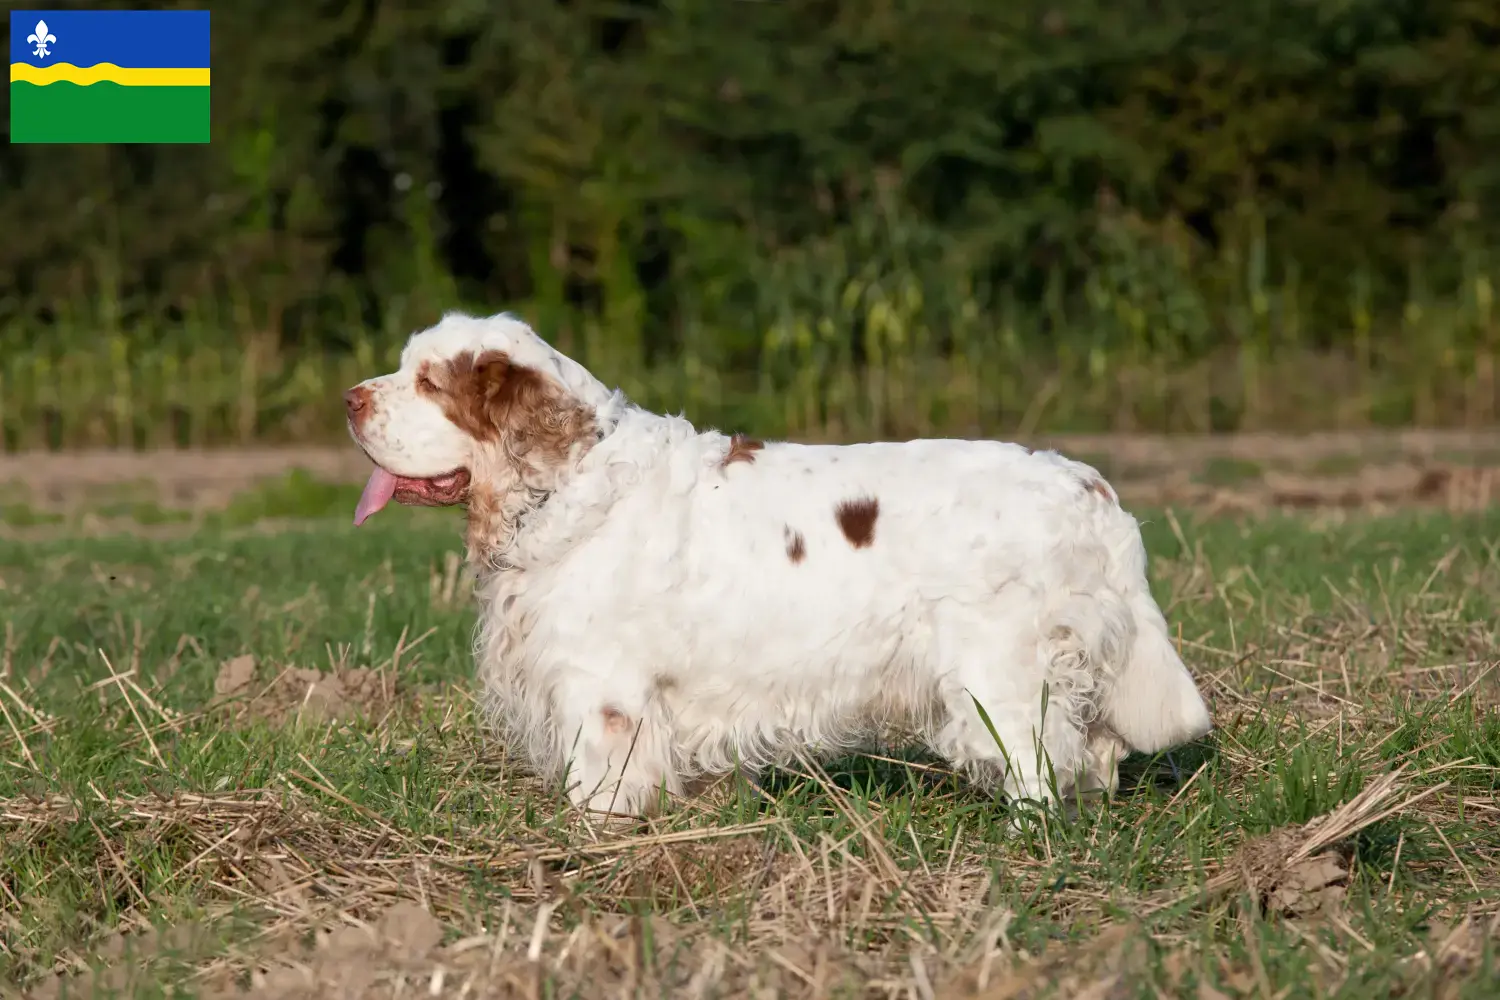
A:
(619, 761)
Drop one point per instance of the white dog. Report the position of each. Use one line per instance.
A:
(660, 604)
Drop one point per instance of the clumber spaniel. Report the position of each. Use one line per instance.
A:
(661, 604)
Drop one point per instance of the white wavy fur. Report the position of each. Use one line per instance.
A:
(643, 621)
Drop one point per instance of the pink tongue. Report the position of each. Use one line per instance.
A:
(378, 493)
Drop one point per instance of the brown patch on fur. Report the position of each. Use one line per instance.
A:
(741, 449)
(489, 525)
(426, 386)
(856, 519)
(616, 721)
(494, 400)
(796, 547)
(1100, 488)
(534, 425)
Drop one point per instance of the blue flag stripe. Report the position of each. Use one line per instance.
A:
(134, 39)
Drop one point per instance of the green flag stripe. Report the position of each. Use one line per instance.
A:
(107, 112)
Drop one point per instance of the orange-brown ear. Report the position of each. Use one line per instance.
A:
(482, 392)
(471, 384)
(528, 415)
(495, 383)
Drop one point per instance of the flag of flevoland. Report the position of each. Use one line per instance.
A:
(109, 76)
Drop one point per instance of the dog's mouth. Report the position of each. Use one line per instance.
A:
(442, 490)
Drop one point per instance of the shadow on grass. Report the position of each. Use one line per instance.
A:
(913, 771)
(1165, 772)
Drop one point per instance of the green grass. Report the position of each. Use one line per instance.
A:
(1224, 471)
(131, 802)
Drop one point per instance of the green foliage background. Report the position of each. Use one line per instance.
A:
(1140, 213)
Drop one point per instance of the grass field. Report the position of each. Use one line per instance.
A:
(244, 757)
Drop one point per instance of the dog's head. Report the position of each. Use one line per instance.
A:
(480, 408)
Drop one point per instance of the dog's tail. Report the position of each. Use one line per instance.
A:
(1106, 644)
(1150, 699)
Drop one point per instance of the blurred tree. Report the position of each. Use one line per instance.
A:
(645, 160)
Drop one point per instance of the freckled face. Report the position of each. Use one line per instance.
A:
(399, 420)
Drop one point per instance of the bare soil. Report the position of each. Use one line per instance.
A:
(1458, 470)
(174, 479)
(296, 694)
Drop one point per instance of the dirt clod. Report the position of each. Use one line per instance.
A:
(411, 929)
(302, 693)
(1313, 885)
(1287, 885)
(234, 676)
(355, 961)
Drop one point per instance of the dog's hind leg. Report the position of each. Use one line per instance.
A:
(998, 725)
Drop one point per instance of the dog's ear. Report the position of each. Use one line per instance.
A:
(493, 391)
(532, 418)
(482, 394)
